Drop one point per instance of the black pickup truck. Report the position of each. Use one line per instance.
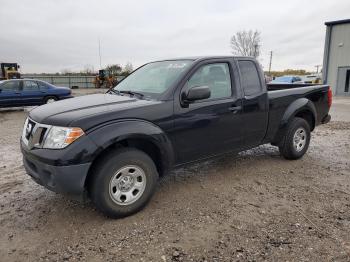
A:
(113, 147)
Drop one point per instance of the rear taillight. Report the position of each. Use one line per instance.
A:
(330, 97)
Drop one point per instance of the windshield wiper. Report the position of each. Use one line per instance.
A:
(129, 92)
(113, 91)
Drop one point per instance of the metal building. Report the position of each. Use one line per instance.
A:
(336, 58)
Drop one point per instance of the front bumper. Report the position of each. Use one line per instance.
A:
(68, 179)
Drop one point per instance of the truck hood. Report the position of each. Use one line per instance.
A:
(89, 110)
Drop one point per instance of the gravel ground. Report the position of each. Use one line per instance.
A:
(254, 206)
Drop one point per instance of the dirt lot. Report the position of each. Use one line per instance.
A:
(252, 207)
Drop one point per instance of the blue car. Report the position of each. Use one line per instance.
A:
(287, 80)
(29, 92)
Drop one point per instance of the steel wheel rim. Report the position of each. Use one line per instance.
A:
(299, 139)
(127, 185)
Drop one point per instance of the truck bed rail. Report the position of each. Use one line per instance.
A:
(273, 87)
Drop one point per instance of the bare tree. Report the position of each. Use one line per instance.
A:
(115, 69)
(88, 70)
(128, 68)
(246, 43)
(66, 71)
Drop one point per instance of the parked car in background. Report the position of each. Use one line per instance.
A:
(29, 92)
(312, 79)
(287, 80)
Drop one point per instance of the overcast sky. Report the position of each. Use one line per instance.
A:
(52, 35)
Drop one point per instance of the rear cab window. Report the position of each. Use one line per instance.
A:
(250, 80)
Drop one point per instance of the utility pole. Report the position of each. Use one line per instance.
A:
(317, 67)
(270, 62)
(99, 51)
(255, 49)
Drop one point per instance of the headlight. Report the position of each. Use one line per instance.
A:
(60, 137)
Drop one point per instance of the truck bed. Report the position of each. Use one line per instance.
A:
(282, 96)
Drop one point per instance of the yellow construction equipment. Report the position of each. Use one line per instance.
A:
(9, 71)
(105, 79)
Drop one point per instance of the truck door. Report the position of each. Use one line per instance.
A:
(10, 93)
(31, 94)
(255, 103)
(211, 126)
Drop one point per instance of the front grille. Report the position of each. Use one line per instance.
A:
(38, 136)
(34, 133)
(29, 128)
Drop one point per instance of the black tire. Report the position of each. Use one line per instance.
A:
(49, 98)
(106, 170)
(288, 148)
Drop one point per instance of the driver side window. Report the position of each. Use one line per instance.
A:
(216, 76)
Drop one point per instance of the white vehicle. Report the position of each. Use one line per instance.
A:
(312, 79)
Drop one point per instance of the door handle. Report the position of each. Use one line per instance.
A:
(235, 109)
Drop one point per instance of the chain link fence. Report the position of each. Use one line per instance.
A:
(67, 81)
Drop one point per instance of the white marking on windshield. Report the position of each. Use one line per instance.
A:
(182, 65)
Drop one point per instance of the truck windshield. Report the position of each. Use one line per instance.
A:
(155, 78)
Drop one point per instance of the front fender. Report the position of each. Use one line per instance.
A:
(114, 132)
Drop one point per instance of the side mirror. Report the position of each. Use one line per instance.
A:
(195, 93)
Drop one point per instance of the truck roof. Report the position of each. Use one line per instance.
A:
(195, 58)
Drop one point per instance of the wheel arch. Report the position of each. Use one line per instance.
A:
(140, 135)
(303, 108)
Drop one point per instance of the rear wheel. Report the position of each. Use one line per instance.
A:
(296, 140)
(50, 99)
(123, 182)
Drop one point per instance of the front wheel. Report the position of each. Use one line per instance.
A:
(123, 182)
(50, 99)
(296, 140)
